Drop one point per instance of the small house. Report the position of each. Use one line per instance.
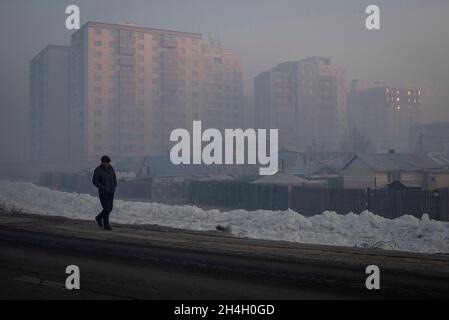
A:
(378, 170)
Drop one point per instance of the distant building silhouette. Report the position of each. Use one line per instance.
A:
(384, 114)
(49, 105)
(306, 101)
(128, 87)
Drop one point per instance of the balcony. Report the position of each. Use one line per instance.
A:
(127, 51)
(171, 44)
(127, 62)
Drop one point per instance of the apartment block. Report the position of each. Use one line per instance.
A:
(131, 86)
(385, 115)
(222, 87)
(306, 101)
(276, 106)
(49, 105)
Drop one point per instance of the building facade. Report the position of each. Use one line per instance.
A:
(222, 87)
(49, 105)
(384, 115)
(379, 170)
(131, 86)
(306, 101)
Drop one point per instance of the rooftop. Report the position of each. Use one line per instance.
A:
(139, 28)
(399, 162)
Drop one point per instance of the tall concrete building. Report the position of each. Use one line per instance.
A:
(306, 101)
(385, 115)
(131, 86)
(49, 105)
(222, 87)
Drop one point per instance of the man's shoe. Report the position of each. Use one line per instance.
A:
(107, 228)
(98, 219)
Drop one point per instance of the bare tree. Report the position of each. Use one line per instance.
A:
(356, 142)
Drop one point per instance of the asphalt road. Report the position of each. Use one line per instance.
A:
(32, 266)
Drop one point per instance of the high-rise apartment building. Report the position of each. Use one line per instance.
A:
(385, 115)
(276, 106)
(131, 86)
(222, 87)
(306, 101)
(49, 105)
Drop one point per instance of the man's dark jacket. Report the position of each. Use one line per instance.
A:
(104, 179)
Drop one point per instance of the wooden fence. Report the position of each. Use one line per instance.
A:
(241, 195)
(127, 189)
(386, 203)
(305, 200)
(310, 201)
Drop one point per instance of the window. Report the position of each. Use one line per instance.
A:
(126, 33)
(98, 31)
(98, 43)
(98, 66)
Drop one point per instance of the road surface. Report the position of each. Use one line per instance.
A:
(150, 262)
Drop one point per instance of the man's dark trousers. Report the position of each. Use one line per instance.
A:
(107, 201)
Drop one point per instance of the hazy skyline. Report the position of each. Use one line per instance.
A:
(411, 50)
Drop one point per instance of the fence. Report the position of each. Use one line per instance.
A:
(239, 195)
(127, 189)
(310, 201)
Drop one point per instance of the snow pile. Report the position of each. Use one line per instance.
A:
(406, 233)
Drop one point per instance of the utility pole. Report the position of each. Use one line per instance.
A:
(421, 135)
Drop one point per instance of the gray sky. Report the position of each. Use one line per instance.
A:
(412, 49)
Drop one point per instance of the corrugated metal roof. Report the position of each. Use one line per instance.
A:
(281, 178)
(162, 166)
(397, 161)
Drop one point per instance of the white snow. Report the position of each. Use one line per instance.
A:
(406, 233)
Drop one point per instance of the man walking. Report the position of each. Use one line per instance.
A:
(105, 180)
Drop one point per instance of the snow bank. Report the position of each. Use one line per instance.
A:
(406, 233)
